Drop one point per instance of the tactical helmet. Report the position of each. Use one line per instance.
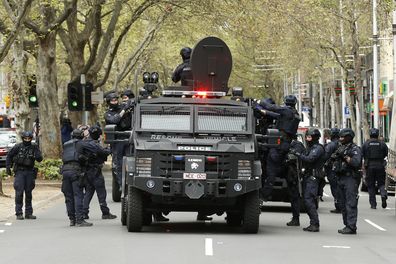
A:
(347, 132)
(314, 133)
(27, 134)
(77, 133)
(111, 96)
(290, 100)
(95, 132)
(374, 132)
(334, 132)
(185, 53)
(129, 93)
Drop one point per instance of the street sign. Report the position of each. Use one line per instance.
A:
(347, 112)
(97, 97)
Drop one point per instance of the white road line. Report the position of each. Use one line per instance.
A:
(8, 224)
(325, 194)
(346, 247)
(208, 247)
(2, 231)
(375, 225)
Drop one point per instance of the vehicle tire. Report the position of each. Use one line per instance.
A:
(123, 211)
(251, 213)
(116, 192)
(147, 218)
(234, 219)
(134, 210)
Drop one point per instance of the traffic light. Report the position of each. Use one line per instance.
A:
(74, 97)
(32, 83)
(88, 102)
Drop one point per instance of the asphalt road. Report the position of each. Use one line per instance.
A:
(49, 239)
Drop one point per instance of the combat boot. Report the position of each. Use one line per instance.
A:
(85, 216)
(108, 216)
(347, 231)
(384, 204)
(311, 228)
(72, 222)
(293, 222)
(19, 217)
(335, 211)
(30, 216)
(83, 223)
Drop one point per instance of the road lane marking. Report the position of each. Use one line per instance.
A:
(345, 247)
(8, 224)
(375, 225)
(208, 247)
(325, 194)
(2, 231)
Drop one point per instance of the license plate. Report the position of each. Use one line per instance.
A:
(194, 176)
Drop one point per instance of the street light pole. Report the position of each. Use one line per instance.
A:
(375, 65)
(392, 133)
(343, 92)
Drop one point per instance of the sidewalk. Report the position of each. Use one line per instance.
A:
(44, 194)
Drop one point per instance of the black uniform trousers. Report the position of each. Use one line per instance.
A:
(332, 178)
(348, 194)
(95, 182)
(375, 175)
(311, 185)
(24, 183)
(74, 194)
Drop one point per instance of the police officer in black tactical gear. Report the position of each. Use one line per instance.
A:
(330, 148)
(374, 153)
(313, 159)
(293, 178)
(121, 116)
(22, 158)
(73, 171)
(183, 71)
(287, 123)
(96, 155)
(347, 161)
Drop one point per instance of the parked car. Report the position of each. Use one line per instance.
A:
(8, 139)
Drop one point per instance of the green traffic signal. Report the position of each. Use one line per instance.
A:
(74, 103)
(33, 99)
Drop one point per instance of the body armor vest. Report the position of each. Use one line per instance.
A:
(70, 151)
(375, 150)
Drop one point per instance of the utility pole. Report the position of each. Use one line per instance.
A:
(392, 141)
(321, 103)
(84, 112)
(375, 65)
(299, 92)
(343, 92)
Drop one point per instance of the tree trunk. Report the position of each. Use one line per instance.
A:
(48, 97)
(19, 89)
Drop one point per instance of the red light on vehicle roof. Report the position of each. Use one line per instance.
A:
(202, 93)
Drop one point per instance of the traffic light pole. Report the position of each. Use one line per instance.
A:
(84, 112)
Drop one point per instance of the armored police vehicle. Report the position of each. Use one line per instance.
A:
(193, 150)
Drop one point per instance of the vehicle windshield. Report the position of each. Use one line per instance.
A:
(215, 119)
(165, 118)
(7, 139)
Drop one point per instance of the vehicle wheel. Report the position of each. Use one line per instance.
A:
(134, 210)
(234, 219)
(147, 218)
(251, 214)
(123, 211)
(116, 192)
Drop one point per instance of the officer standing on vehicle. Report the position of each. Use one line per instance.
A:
(287, 123)
(374, 153)
(183, 71)
(330, 148)
(293, 179)
(313, 159)
(73, 170)
(118, 115)
(97, 155)
(22, 158)
(347, 163)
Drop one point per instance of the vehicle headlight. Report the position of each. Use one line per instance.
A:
(143, 167)
(244, 169)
